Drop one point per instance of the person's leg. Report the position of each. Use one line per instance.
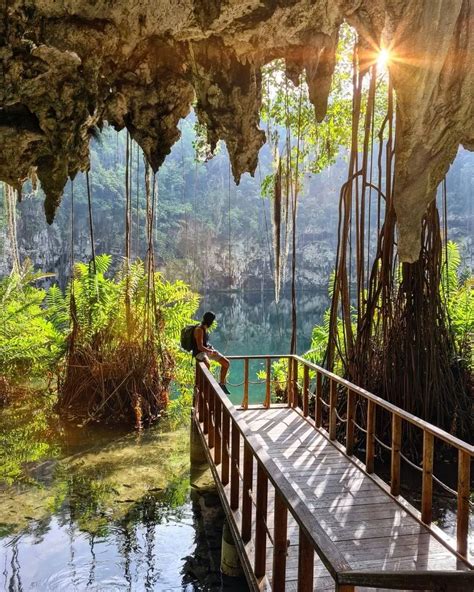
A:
(224, 362)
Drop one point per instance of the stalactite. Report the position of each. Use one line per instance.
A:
(10, 208)
(277, 229)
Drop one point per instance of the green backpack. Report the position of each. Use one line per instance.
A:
(187, 337)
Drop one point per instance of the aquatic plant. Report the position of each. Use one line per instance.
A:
(121, 352)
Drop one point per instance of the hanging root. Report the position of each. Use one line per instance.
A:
(116, 384)
(277, 229)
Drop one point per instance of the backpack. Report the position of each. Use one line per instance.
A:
(187, 337)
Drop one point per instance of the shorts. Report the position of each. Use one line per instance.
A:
(203, 357)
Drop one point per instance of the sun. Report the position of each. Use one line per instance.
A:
(383, 59)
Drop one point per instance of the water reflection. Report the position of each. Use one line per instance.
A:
(253, 323)
(104, 511)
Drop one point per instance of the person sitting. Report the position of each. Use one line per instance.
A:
(204, 352)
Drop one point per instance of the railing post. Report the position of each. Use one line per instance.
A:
(225, 446)
(305, 563)
(294, 374)
(211, 399)
(305, 390)
(246, 499)
(289, 387)
(318, 413)
(217, 431)
(427, 484)
(205, 396)
(200, 394)
(370, 441)
(260, 523)
(234, 473)
(268, 368)
(245, 400)
(351, 406)
(396, 445)
(332, 409)
(280, 544)
(462, 527)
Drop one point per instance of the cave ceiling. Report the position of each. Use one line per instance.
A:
(68, 66)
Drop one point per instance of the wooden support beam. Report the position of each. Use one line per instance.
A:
(395, 463)
(260, 522)
(305, 563)
(427, 483)
(294, 373)
(217, 431)
(305, 390)
(351, 407)
(280, 544)
(319, 406)
(289, 383)
(246, 531)
(234, 473)
(245, 400)
(205, 393)
(370, 442)
(225, 446)
(332, 409)
(462, 528)
(268, 382)
(211, 397)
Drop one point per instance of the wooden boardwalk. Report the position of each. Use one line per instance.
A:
(305, 515)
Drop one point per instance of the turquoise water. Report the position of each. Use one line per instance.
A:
(252, 323)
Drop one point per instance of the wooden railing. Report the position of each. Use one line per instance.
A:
(225, 432)
(299, 394)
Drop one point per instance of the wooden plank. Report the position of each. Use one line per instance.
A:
(327, 491)
(427, 480)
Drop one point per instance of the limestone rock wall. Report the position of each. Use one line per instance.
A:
(66, 66)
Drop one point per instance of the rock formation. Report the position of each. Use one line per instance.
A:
(68, 66)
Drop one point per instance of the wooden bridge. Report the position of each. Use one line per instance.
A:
(305, 512)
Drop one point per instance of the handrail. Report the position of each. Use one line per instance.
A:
(413, 419)
(324, 546)
(217, 414)
(294, 390)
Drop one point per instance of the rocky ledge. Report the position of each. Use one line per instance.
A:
(68, 66)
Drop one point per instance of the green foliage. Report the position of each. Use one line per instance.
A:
(30, 345)
(458, 294)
